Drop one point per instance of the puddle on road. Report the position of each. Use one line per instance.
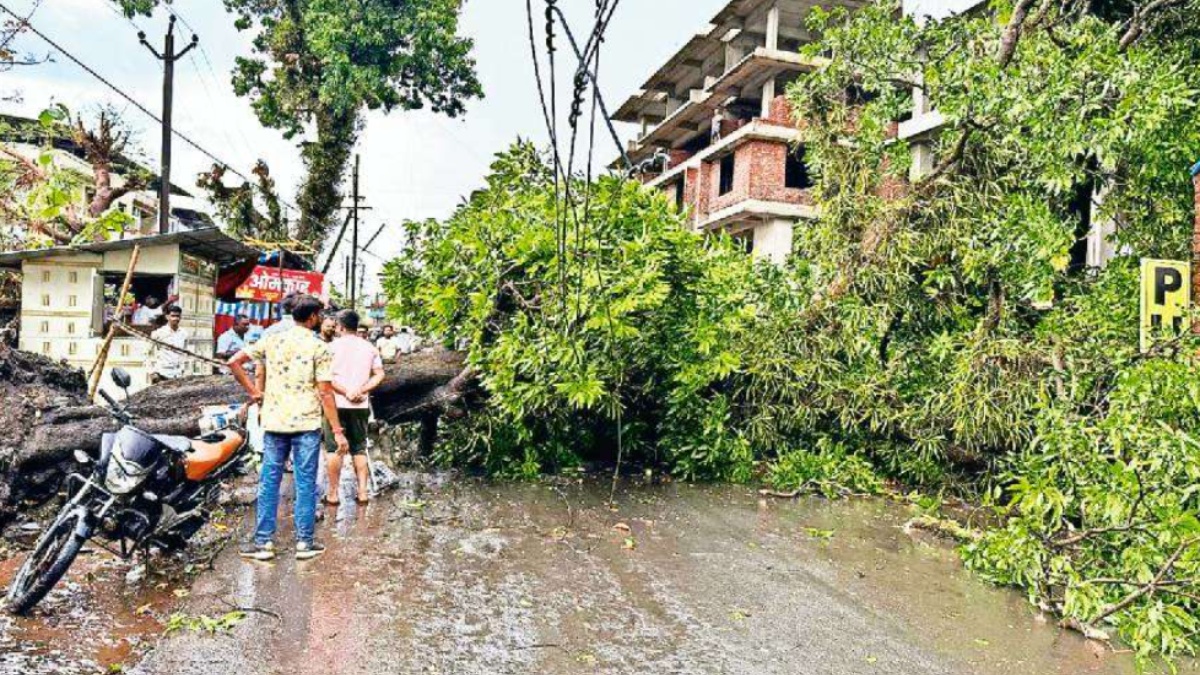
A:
(97, 619)
(92, 621)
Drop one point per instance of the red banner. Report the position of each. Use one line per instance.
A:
(270, 284)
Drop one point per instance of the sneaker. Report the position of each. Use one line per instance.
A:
(308, 551)
(260, 552)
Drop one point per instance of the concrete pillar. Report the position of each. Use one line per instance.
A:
(768, 97)
(733, 55)
(773, 27)
(1100, 248)
(922, 153)
(773, 240)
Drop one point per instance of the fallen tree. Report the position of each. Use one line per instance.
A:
(45, 417)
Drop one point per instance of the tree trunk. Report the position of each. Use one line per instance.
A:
(38, 444)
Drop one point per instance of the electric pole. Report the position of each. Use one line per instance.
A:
(168, 57)
(362, 280)
(354, 240)
(356, 199)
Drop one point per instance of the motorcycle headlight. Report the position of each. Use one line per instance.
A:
(123, 477)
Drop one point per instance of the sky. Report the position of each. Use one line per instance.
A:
(415, 165)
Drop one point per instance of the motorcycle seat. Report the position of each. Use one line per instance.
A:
(179, 444)
(204, 457)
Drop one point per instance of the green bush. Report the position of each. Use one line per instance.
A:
(828, 469)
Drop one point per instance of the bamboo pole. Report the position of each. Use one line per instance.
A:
(102, 357)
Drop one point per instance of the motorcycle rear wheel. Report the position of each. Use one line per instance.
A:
(49, 561)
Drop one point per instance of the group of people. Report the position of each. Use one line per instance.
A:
(313, 392)
(312, 374)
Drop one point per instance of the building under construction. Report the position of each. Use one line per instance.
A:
(716, 131)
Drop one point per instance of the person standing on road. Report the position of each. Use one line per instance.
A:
(357, 371)
(408, 341)
(169, 364)
(388, 344)
(233, 340)
(298, 391)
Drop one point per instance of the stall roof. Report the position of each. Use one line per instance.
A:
(209, 243)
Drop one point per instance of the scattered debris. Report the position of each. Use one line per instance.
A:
(206, 624)
(943, 527)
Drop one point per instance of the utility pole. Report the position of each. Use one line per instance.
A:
(362, 281)
(356, 199)
(354, 240)
(370, 241)
(168, 57)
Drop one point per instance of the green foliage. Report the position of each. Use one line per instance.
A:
(319, 63)
(939, 329)
(639, 321)
(43, 203)
(205, 624)
(828, 469)
(939, 322)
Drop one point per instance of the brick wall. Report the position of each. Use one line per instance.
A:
(781, 112)
(760, 172)
(691, 176)
(677, 157)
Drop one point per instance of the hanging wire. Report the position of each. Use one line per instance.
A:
(571, 230)
(130, 99)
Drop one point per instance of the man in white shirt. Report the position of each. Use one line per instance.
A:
(169, 364)
(407, 340)
(150, 310)
(388, 344)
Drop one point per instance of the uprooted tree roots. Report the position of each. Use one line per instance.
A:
(45, 416)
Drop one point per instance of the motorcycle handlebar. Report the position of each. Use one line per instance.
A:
(115, 409)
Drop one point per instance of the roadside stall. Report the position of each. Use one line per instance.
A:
(71, 295)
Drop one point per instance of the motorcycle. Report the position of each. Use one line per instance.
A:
(143, 491)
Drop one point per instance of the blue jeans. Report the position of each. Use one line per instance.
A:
(305, 449)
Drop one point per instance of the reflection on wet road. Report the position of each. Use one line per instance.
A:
(465, 577)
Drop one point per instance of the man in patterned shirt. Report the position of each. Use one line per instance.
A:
(298, 391)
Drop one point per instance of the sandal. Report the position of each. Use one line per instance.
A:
(327, 502)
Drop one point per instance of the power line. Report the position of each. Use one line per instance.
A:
(132, 101)
(212, 74)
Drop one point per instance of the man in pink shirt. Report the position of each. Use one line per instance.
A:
(357, 370)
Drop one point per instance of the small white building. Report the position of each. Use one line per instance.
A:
(68, 295)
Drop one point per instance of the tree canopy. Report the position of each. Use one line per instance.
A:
(623, 337)
(318, 65)
(949, 325)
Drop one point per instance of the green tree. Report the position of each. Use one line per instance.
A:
(318, 64)
(630, 328)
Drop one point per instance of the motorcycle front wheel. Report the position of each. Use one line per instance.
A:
(49, 561)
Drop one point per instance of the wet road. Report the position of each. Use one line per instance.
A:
(464, 578)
